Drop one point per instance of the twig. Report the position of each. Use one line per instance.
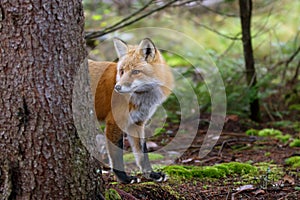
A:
(218, 12)
(288, 61)
(121, 25)
(269, 113)
(294, 79)
(217, 32)
(129, 17)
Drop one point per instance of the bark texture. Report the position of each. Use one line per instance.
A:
(41, 49)
(245, 15)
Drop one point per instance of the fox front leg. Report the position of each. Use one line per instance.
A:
(114, 143)
(140, 152)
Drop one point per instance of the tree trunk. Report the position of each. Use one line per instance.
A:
(245, 15)
(41, 49)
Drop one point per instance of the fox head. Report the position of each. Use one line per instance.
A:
(140, 68)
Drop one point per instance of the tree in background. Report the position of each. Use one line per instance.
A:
(245, 15)
(41, 49)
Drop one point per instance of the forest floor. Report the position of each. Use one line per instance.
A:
(273, 177)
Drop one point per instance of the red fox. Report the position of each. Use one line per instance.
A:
(126, 95)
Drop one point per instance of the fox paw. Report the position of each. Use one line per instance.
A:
(124, 178)
(129, 180)
(158, 176)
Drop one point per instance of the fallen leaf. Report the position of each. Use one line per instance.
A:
(232, 118)
(288, 179)
(257, 192)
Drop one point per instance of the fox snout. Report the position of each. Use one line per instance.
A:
(118, 87)
(123, 88)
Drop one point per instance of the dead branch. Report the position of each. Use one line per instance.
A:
(128, 20)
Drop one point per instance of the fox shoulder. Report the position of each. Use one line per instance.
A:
(103, 80)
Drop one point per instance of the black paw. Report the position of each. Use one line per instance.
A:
(124, 178)
(158, 176)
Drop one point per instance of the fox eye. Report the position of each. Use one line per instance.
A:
(121, 72)
(135, 71)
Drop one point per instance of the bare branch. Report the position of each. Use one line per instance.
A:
(288, 60)
(130, 16)
(218, 12)
(217, 32)
(125, 22)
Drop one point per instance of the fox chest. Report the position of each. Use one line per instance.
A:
(143, 106)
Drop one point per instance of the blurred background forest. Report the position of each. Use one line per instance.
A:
(216, 26)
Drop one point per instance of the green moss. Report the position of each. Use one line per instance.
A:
(283, 138)
(295, 143)
(269, 132)
(129, 157)
(172, 191)
(269, 171)
(293, 161)
(267, 154)
(208, 172)
(252, 132)
(216, 171)
(178, 171)
(112, 194)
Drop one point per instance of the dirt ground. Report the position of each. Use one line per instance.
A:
(233, 145)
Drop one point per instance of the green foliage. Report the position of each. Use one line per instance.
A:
(112, 194)
(295, 143)
(293, 161)
(294, 107)
(175, 60)
(97, 17)
(129, 157)
(159, 131)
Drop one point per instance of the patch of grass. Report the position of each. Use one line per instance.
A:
(293, 161)
(295, 143)
(129, 157)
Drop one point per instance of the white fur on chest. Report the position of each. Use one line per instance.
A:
(145, 105)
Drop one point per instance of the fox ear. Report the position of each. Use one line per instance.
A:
(120, 46)
(147, 49)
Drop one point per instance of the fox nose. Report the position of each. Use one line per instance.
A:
(118, 87)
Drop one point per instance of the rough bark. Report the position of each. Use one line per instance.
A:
(245, 15)
(41, 49)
